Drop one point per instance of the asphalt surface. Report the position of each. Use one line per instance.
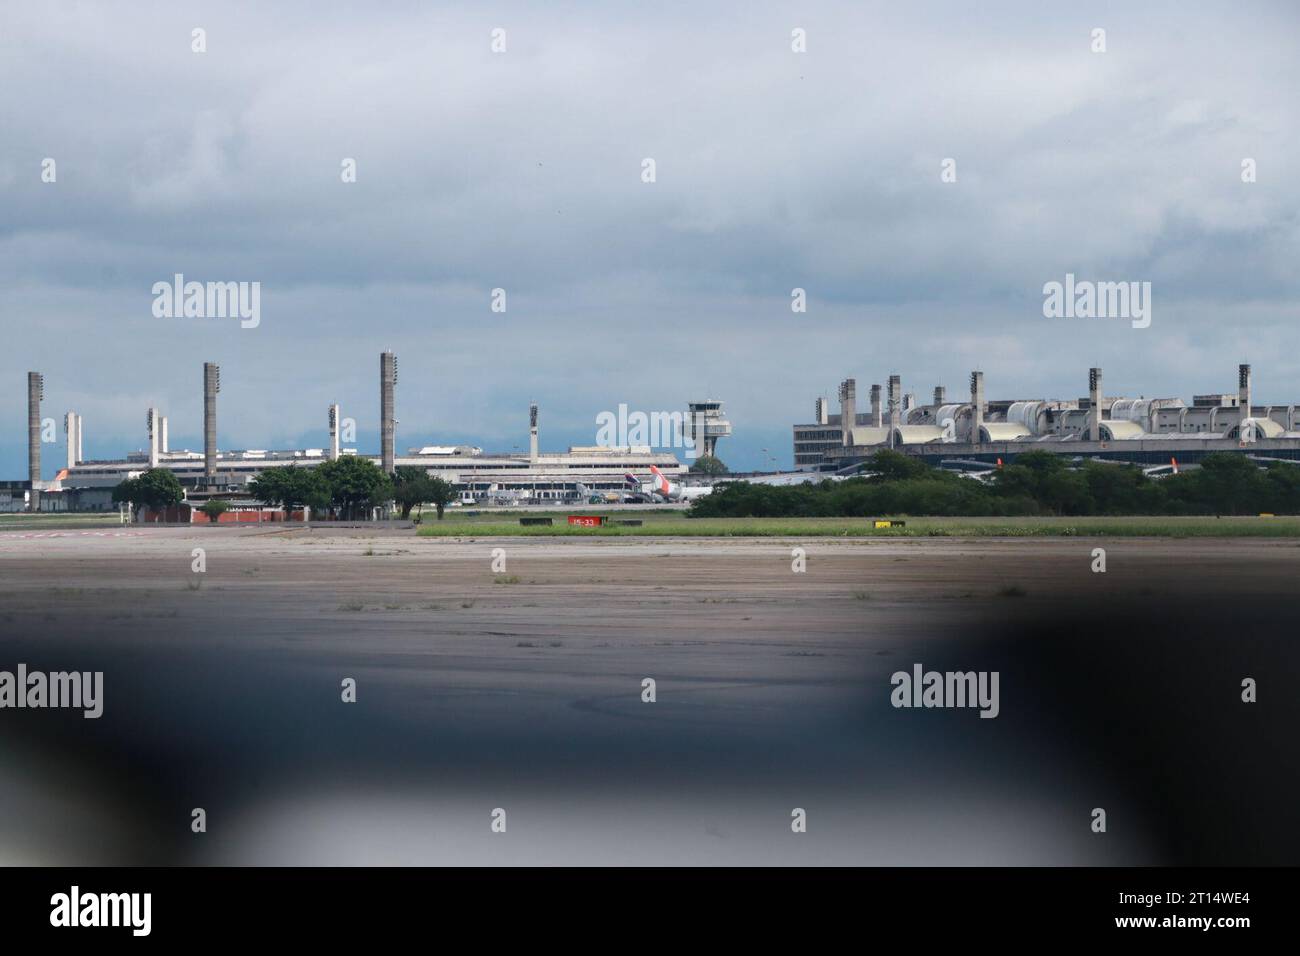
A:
(519, 687)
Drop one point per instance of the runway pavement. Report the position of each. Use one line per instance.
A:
(514, 680)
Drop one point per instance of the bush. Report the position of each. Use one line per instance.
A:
(1037, 483)
(214, 509)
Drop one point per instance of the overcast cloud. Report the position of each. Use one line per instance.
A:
(522, 170)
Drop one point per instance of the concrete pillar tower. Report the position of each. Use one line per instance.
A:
(335, 425)
(848, 410)
(70, 429)
(1094, 404)
(211, 386)
(895, 401)
(532, 433)
(154, 423)
(1244, 402)
(387, 421)
(35, 392)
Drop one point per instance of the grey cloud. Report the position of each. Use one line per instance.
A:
(775, 170)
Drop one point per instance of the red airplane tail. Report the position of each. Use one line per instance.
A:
(662, 482)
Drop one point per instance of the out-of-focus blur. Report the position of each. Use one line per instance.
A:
(1119, 691)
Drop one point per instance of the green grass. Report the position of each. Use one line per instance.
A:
(676, 524)
(59, 522)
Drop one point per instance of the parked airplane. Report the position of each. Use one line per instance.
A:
(592, 497)
(660, 488)
(1162, 471)
(636, 492)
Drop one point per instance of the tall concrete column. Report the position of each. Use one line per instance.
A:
(532, 433)
(80, 456)
(1094, 404)
(977, 406)
(940, 395)
(895, 401)
(387, 423)
(152, 420)
(877, 410)
(1244, 402)
(211, 386)
(35, 392)
(821, 412)
(70, 431)
(163, 445)
(336, 423)
(848, 410)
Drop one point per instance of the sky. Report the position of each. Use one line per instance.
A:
(523, 170)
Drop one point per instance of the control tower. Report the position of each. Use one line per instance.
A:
(705, 424)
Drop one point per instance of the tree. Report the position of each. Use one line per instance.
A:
(1038, 482)
(292, 487)
(275, 487)
(406, 474)
(440, 494)
(709, 465)
(1226, 483)
(271, 486)
(1118, 489)
(1283, 480)
(886, 465)
(1066, 493)
(412, 486)
(355, 482)
(1039, 475)
(126, 491)
(157, 488)
(160, 489)
(214, 509)
(312, 490)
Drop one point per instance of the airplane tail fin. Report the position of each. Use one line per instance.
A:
(662, 482)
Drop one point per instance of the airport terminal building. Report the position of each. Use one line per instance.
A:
(479, 477)
(975, 431)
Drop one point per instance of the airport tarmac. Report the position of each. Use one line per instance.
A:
(508, 674)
